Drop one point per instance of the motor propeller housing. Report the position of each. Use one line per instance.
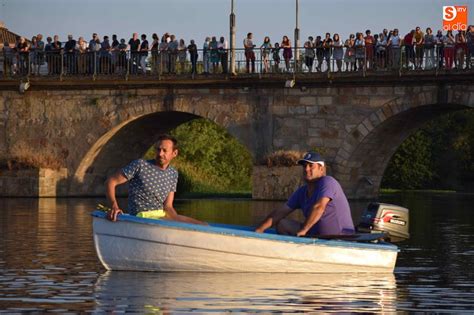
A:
(384, 217)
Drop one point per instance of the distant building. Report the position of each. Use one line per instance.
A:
(6, 35)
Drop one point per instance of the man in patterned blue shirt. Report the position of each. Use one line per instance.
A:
(152, 185)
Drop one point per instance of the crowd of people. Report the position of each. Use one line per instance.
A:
(421, 50)
(386, 50)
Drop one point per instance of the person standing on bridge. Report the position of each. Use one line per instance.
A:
(429, 49)
(152, 185)
(265, 50)
(134, 45)
(322, 200)
(223, 49)
(193, 56)
(309, 53)
(449, 43)
(287, 52)
(143, 53)
(470, 46)
(206, 55)
(276, 57)
(394, 43)
(419, 41)
(249, 53)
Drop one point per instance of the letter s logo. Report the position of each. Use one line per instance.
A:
(449, 13)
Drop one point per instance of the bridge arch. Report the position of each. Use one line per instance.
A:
(364, 155)
(129, 140)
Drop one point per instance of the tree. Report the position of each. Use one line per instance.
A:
(410, 167)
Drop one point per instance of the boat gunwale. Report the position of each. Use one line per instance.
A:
(228, 230)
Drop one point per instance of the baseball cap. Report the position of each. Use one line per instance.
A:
(311, 157)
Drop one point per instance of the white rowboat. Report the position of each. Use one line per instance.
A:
(139, 244)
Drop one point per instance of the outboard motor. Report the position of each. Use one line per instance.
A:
(384, 217)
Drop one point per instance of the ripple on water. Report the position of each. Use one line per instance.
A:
(48, 263)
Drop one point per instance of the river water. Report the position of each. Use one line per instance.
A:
(48, 264)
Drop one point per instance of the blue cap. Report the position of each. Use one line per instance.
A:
(311, 157)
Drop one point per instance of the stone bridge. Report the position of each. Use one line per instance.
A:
(92, 128)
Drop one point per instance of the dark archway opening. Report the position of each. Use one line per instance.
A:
(368, 162)
(438, 156)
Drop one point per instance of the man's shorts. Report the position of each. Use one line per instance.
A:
(152, 214)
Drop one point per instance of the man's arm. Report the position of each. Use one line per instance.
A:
(314, 216)
(112, 182)
(171, 213)
(273, 218)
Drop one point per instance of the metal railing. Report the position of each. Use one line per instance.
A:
(161, 64)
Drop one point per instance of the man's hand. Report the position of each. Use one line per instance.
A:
(259, 230)
(273, 218)
(314, 216)
(117, 179)
(301, 232)
(113, 213)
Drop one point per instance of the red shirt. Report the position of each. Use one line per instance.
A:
(408, 40)
(369, 40)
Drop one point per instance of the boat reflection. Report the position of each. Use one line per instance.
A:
(205, 292)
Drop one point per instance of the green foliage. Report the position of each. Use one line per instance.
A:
(453, 142)
(410, 167)
(439, 156)
(210, 160)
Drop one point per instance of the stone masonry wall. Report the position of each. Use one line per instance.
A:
(275, 183)
(33, 183)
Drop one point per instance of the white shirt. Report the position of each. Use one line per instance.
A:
(248, 43)
(222, 45)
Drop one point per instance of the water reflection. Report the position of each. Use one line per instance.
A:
(46, 258)
(213, 292)
(48, 264)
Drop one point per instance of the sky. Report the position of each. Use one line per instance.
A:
(196, 19)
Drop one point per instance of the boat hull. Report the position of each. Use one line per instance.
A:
(153, 245)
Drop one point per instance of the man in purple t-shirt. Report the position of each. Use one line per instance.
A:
(322, 201)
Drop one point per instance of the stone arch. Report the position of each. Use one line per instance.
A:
(364, 154)
(121, 144)
(130, 139)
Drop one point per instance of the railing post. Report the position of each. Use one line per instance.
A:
(232, 39)
(61, 63)
(127, 62)
(94, 76)
(400, 65)
(159, 66)
(330, 66)
(329, 63)
(364, 68)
